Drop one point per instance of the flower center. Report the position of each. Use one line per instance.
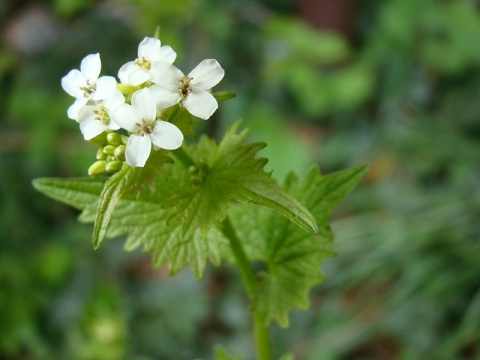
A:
(145, 127)
(101, 114)
(143, 63)
(185, 88)
(89, 89)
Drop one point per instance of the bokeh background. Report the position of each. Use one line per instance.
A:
(391, 83)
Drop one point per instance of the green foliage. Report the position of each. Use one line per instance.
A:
(174, 219)
(416, 64)
(222, 354)
(292, 255)
(127, 180)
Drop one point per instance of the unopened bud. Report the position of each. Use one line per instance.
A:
(99, 140)
(109, 149)
(98, 168)
(114, 138)
(114, 166)
(101, 155)
(124, 139)
(111, 158)
(120, 152)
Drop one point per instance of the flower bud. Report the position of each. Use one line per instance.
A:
(109, 149)
(124, 139)
(98, 168)
(101, 155)
(120, 152)
(114, 138)
(111, 158)
(99, 140)
(114, 166)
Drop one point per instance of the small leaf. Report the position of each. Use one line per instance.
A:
(222, 354)
(292, 256)
(224, 95)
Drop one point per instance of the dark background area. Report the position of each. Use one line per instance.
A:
(393, 83)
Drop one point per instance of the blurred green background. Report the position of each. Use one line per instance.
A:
(392, 83)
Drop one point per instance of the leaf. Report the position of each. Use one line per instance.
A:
(128, 179)
(224, 95)
(225, 173)
(175, 217)
(77, 192)
(222, 354)
(292, 256)
(84, 193)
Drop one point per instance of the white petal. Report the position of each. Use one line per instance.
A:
(133, 74)
(114, 100)
(206, 75)
(113, 125)
(148, 48)
(125, 70)
(144, 104)
(165, 135)
(137, 150)
(125, 116)
(74, 109)
(91, 127)
(166, 75)
(201, 104)
(91, 66)
(72, 82)
(106, 87)
(164, 98)
(165, 53)
(86, 113)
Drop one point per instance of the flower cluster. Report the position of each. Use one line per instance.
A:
(148, 85)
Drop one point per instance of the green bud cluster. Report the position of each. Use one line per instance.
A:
(110, 155)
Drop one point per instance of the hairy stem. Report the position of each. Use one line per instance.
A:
(262, 338)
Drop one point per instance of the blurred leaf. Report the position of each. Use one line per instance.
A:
(306, 42)
(70, 7)
(222, 354)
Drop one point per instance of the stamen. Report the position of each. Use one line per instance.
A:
(146, 127)
(184, 88)
(102, 115)
(89, 89)
(143, 63)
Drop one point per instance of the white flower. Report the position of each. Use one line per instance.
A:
(85, 85)
(97, 118)
(150, 51)
(140, 118)
(191, 90)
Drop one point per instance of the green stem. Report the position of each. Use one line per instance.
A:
(248, 275)
(183, 157)
(262, 338)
